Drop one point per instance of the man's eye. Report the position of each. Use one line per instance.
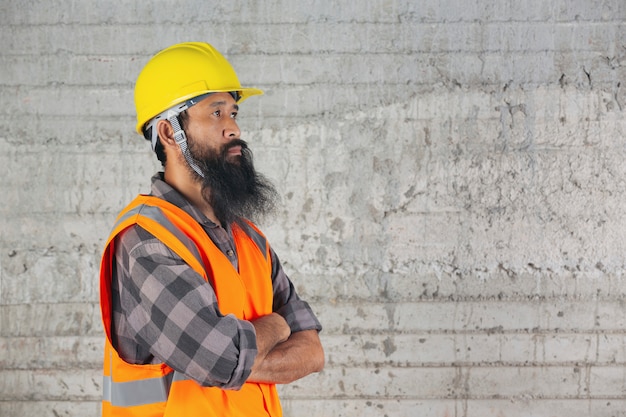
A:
(233, 115)
(217, 113)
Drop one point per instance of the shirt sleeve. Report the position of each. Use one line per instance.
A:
(296, 312)
(172, 312)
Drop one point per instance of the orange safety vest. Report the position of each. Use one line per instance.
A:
(156, 389)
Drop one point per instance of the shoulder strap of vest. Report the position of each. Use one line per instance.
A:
(144, 211)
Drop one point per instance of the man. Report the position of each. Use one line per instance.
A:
(200, 318)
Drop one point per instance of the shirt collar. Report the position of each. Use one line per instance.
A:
(164, 191)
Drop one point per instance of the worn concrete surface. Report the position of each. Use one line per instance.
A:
(452, 179)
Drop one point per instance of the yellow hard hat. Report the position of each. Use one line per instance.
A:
(181, 72)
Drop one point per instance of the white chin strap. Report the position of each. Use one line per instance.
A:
(181, 140)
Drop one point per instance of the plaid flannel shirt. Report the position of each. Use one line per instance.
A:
(164, 312)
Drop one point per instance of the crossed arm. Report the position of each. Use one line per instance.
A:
(188, 309)
(284, 357)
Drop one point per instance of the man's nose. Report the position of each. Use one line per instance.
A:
(231, 131)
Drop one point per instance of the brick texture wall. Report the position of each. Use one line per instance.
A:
(452, 179)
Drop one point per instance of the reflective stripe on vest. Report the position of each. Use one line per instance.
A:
(141, 392)
(133, 393)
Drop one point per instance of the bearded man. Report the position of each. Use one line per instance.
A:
(200, 317)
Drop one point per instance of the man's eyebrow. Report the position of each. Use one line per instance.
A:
(223, 103)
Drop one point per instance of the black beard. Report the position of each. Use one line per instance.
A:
(232, 187)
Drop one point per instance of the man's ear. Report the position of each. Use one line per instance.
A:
(166, 134)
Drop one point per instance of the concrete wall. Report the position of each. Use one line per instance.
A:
(453, 193)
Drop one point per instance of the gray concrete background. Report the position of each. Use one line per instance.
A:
(453, 193)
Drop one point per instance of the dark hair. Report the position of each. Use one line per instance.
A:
(183, 117)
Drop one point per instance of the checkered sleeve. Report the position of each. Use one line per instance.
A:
(296, 312)
(172, 312)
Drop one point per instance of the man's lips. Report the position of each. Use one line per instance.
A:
(235, 150)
